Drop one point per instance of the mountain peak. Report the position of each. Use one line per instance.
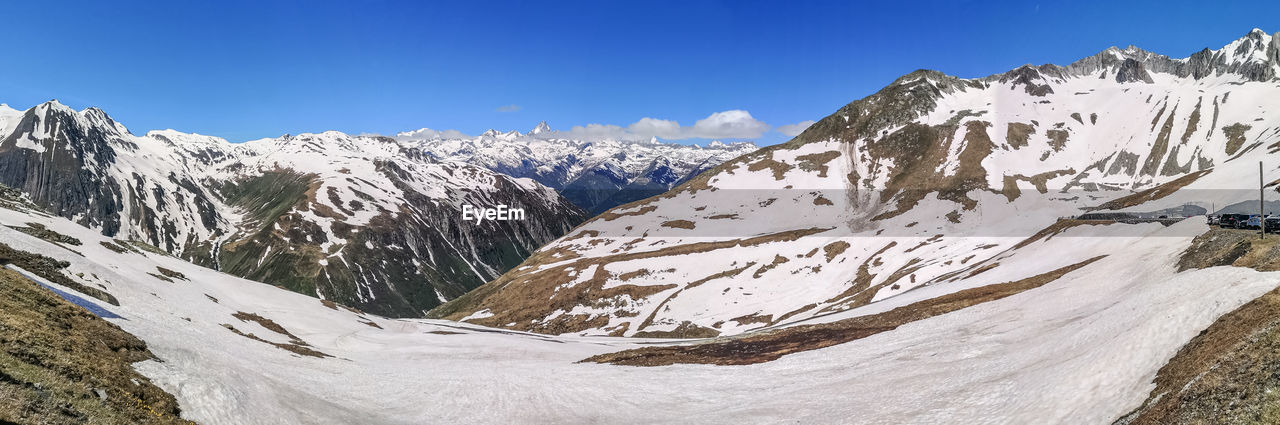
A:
(53, 104)
(541, 128)
(99, 118)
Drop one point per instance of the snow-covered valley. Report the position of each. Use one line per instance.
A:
(1081, 349)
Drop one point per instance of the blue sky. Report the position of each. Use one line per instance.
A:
(247, 70)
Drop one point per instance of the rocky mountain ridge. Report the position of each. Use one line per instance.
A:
(920, 188)
(361, 220)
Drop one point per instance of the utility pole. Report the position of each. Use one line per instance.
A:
(1262, 214)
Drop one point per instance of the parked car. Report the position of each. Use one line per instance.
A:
(1232, 221)
(1253, 222)
(1213, 220)
(1273, 224)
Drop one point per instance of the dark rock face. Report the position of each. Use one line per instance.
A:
(1132, 71)
(64, 159)
(1027, 77)
(54, 173)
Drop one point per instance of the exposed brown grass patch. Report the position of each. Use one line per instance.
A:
(116, 248)
(817, 161)
(684, 330)
(777, 261)
(1057, 139)
(779, 169)
(1161, 146)
(982, 269)
(633, 274)
(40, 231)
(1235, 136)
(834, 249)
(171, 274)
(678, 224)
(296, 346)
(60, 364)
(1040, 181)
(264, 322)
(752, 319)
(1018, 134)
(611, 215)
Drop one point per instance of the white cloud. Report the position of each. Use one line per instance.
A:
(732, 124)
(793, 130)
(508, 108)
(428, 134)
(594, 132)
(654, 127)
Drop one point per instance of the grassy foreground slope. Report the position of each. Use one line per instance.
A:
(60, 364)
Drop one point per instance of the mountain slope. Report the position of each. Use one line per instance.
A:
(361, 220)
(924, 184)
(593, 175)
(1082, 348)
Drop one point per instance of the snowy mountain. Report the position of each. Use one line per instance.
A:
(365, 221)
(906, 259)
(1082, 347)
(593, 175)
(931, 186)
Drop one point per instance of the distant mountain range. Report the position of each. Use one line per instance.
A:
(593, 175)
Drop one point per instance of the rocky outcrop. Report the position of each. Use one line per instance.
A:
(1132, 71)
